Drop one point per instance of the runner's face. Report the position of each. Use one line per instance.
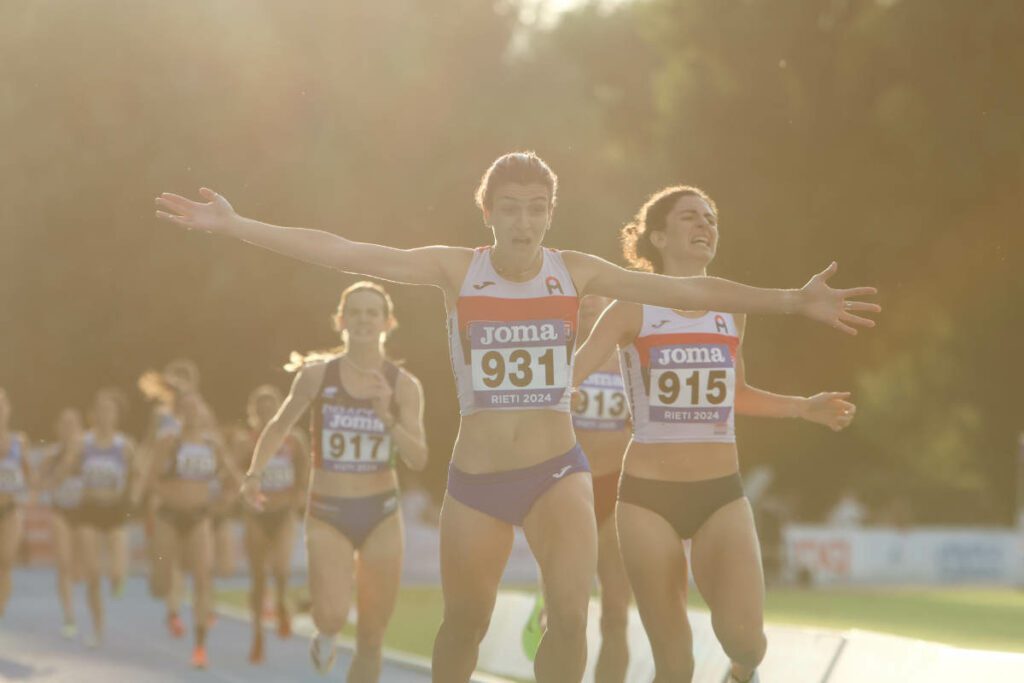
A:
(691, 231)
(266, 408)
(106, 413)
(519, 215)
(364, 318)
(180, 377)
(69, 425)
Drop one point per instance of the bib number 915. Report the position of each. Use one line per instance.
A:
(699, 388)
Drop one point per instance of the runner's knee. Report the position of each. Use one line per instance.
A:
(745, 646)
(327, 620)
(468, 621)
(566, 617)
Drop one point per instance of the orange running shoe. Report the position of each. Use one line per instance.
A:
(199, 657)
(175, 625)
(284, 623)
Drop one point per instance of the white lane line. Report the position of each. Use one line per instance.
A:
(303, 625)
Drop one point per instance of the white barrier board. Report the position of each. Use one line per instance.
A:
(795, 654)
(835, 555)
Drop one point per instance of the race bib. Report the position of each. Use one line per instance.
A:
(354, 440)
(168, 426)
(522, 364)
(196, 461)
(69, 493)
(693, 383)
(103, 474)
(279, 474)
(600, 403)
(12, 480)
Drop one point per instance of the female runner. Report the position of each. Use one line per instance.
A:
(685, 380)
(365, 410)
(182, 467)
(14, 476)
(180, 374)
(108, 468)
(269, 532)
(601, 419)
(66, 487)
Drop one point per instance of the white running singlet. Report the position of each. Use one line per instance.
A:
(512, 342)
(680, 377)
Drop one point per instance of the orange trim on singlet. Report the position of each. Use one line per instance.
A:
(499, 309)
(645, 343)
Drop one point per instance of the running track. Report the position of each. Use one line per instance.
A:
(138, 648)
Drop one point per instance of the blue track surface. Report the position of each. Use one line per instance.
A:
(138, 647)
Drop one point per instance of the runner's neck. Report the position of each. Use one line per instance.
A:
(517, 272)
(365, 359)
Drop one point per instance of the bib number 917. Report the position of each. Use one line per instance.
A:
(356, 447)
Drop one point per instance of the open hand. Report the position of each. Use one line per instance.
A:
(215, 215)
(833, 306)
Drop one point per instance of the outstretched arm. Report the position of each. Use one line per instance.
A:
(420, 266)
(828, 408)
(816, 299)
(618, 325)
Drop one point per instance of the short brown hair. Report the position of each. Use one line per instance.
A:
(518, 167)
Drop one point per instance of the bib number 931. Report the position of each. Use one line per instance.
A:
(522, 364)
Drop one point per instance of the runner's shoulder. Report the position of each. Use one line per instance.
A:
(309, 377)
(407, 384)
(453, 261)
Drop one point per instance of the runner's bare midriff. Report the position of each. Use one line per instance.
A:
(497, 441)
(181, 494)
(349, 485)
(681, 461)
(103, 497)
(277, 500)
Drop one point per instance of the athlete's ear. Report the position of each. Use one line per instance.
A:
(658, 238)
